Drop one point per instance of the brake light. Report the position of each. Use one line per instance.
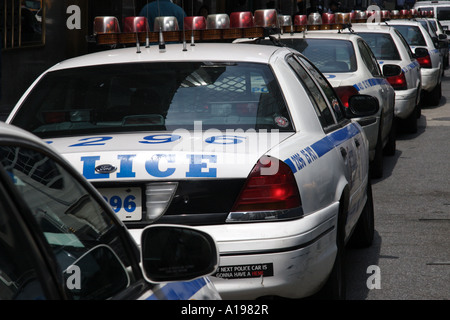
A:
(276, 191)
(345, 92)
(398, 82)
(425, 62)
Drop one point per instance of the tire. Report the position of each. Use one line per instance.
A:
(376, 165)
(362, 236)
(336, 287)
(391, 146)
(410, 123)
(435, 95)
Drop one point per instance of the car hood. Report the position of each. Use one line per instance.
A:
(166, 155)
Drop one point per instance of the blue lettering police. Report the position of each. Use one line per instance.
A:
(198, 166)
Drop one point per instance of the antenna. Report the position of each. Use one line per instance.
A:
(147, 40)
(192, 28)
(162, 44)
(138, 45)
(184, 34)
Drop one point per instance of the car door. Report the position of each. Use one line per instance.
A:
(346, 136)
(386, 94)
(83, 249)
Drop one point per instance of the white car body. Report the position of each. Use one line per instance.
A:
(407, 99)
(441, 11)
(431, 77)
(288, 258)
(365, 82)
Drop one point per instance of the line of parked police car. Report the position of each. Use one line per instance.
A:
(239, 171)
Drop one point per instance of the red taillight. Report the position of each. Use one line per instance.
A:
(398, 82)
(345, 92)
(277, 191)
(425, 62)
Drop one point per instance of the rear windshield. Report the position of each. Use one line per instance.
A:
(328, 55)
(382, 45)
(154, 97)
(412, 35)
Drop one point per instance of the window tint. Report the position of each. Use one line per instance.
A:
(18, 275)
(443, 13)
(75, 226)
(326, 88)
(369, 59)
(328, 55)
(154, 97)
(382, 45)
(316, 97)
(405, 44)
(412, 35)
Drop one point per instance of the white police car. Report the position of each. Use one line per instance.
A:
(249, 143)
(390, 48)
(351, 68)
(436, 9)
(429, 56)
(60, 240)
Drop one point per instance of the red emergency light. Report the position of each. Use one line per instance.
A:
(195, 23)
(135, 24)
(266, 18)
(242, 19)
(106, 25)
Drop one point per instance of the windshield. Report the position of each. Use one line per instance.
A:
(443, 13)
(412, 35)
(328, 55)
(153, 97)
(381, 45)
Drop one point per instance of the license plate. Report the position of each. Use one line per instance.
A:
(126, 202)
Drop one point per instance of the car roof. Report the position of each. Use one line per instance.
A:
(174, 52)
(328, 34)
(375, 27)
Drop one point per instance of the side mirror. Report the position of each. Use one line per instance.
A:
(360, 105)
(391, 70)
(420, 52)
(442, 36)
(177, 253)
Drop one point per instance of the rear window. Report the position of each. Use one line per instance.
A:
(412, 35)
(326, 54)
(382, 45)
(154, 97)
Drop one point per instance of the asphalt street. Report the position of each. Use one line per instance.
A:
(410, 257)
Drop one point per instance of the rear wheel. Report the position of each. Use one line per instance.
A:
(435, 95)
(335, 288)
(362, 236)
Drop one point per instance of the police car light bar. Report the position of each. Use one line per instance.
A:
(262, 23)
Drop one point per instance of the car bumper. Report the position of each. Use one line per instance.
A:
(405, 102)
(289, 259)
(430, 78)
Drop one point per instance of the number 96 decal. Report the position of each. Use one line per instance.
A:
(125, 202)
